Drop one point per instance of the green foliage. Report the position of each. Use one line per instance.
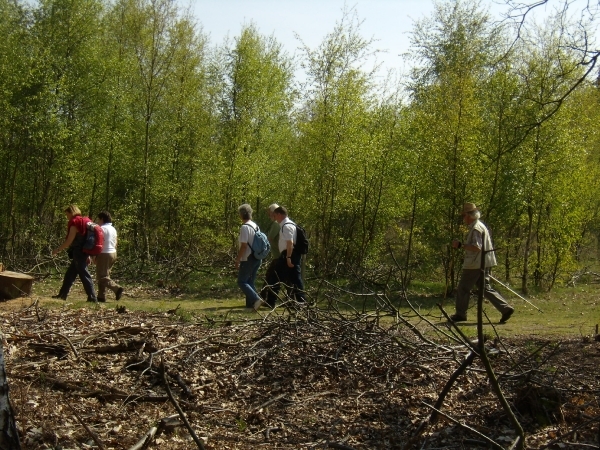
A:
(348, 135)
(126, 106)
(254, 101)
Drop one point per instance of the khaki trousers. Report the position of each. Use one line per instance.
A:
(468, 281)
(104, 262)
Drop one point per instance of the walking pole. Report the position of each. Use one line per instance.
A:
(449, 273)
(521, 297)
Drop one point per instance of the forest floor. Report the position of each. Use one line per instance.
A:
(83, 376)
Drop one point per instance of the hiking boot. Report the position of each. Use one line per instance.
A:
(119, 293)
(59, 296)
(102, 299)
(507, 315)
(257, 304)
(457, 318)
(92, 299)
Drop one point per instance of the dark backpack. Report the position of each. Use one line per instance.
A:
(260, 245)
(94, 239)
(301, 245)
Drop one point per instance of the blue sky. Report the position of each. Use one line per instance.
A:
(388, 21)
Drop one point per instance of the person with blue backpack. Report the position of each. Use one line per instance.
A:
(249, 256)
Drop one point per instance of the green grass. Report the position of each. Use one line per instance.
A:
(564, 311)
(561, 312)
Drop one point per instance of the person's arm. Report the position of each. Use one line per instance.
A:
(68, 241)
(240, 254)
(243, 240)
(289, 247)
(476, 247)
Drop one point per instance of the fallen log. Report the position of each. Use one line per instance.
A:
(122, 347)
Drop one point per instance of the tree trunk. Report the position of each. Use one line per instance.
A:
(9, 437)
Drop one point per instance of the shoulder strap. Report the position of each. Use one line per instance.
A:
(85, 220)
(290, 223)
(248, 225)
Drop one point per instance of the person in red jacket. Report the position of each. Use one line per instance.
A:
(76, 229)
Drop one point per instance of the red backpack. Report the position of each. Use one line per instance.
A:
(94, 239)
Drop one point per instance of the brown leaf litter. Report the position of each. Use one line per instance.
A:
(298, 378)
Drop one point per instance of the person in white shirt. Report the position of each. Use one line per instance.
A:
(477, 245)
(106, 259)
(245, 262)
(287, 268)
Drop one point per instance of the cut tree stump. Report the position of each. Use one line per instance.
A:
(14, 285)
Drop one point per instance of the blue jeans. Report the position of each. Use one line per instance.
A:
(77, 267)
(246, 278)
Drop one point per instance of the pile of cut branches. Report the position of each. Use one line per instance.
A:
(296, 378)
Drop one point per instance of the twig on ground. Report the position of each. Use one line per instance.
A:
(198, 442)
(145, 441)
(92, 434)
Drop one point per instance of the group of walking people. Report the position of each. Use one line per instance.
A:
(285, 266)
(285, 269)
(74, 244)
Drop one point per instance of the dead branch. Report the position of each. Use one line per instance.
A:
(440, 401)
(198, 442)
(92, 434)
(129, 346)
(466, 427)
(146, 440)
(55, 349)
(187, 392)
(70, 344)
(339, 446)
(269, 402)
(303, 367)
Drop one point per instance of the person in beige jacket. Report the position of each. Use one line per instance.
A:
(477, 239)
(106, 259)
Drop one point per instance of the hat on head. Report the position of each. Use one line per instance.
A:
(469, 207)
(272, 207)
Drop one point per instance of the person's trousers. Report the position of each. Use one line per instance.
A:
(282, 274)
(269, 274)
(468, 281)
(246, 279)
(104, 262)
(78, 267)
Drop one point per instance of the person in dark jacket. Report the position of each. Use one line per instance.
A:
(287, 266)
(76, 230)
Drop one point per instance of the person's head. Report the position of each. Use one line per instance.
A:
(245, 211)
(272, 207)
(72, 211)
(470, 213)
(280, 213)
(104, 217)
